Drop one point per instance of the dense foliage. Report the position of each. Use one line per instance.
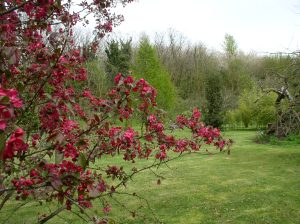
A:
(248, 82)
(147, 65)
(118, 55)
(239, 74)
(213, 109)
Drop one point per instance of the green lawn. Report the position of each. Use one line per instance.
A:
(255, 184)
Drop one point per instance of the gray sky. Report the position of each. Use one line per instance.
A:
(257, 25)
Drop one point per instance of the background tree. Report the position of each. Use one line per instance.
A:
(119, 55)
(214, 113)
(236, 74)
(148, 66)
(230, 46)
(264, 110)
(97, 80)
(189, 65)
(279, 75)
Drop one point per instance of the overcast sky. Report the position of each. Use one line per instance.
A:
(257, 25)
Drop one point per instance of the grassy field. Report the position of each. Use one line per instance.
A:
(255, 184)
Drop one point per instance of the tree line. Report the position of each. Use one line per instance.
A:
(231, 88)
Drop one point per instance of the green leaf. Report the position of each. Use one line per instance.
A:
(4, 100)
(48, 95)
(69, 105)
(81, 142)
(58, 157)
(82, 159)
(8, 74)
(20, 87)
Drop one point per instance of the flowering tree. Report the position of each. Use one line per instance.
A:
(49, 143)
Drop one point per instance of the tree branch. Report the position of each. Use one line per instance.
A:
(53, 214)
(13, 8)
(5, 199)
(15, 210)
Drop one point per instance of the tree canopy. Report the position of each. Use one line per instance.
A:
(148, 66)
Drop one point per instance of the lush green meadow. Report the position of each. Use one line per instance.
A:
(256, 184)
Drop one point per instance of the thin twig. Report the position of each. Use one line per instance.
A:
(141, 199)
(75, 213)
(15, 210)
(79, 206)
(157, 175)
(6, 198)
(53, 214)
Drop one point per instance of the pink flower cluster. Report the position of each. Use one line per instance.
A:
(15, 145)
(8, 101)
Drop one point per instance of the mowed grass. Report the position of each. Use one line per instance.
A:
(255, 184)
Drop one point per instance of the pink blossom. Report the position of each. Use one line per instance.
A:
(15, 145)
(106, 209)
(129, 135)
(3, 125)
(129, 80)
(118, 78)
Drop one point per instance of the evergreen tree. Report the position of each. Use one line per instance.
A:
(213, 115)
(119, 55)
(148, 66)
